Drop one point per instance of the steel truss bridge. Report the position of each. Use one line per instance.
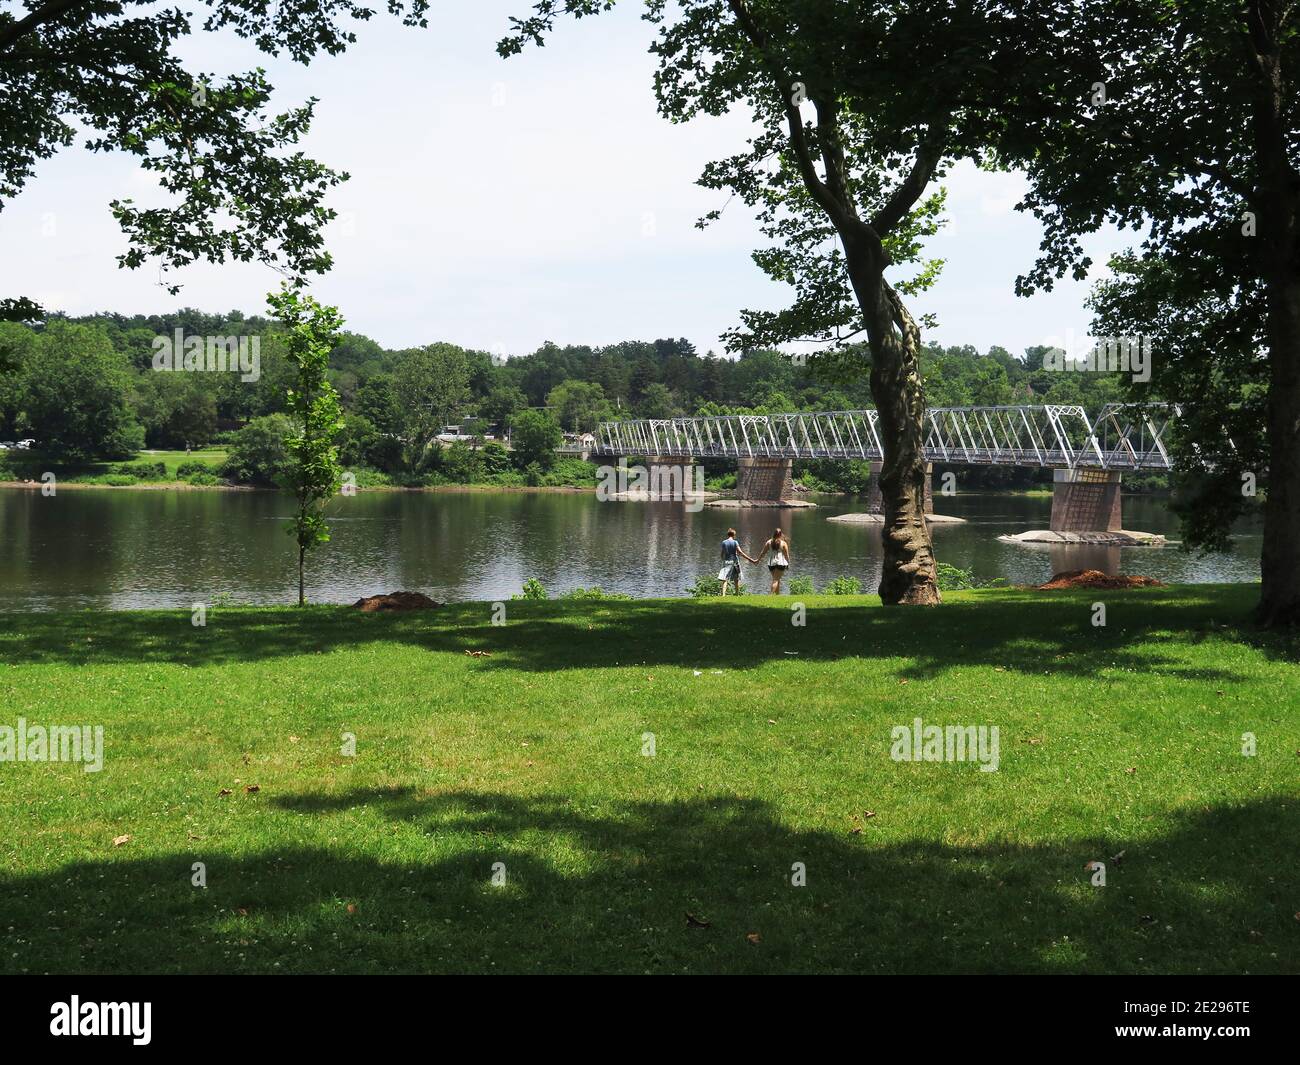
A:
(1121, 437)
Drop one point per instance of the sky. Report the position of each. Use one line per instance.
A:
(499, 204)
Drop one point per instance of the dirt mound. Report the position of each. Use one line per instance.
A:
(395, 601)
(1094, 578)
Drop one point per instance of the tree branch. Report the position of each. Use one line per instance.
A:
(905, 196)
(35, 19)
(828, 136)
(837, 210)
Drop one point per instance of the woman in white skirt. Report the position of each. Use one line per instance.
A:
(778, 551)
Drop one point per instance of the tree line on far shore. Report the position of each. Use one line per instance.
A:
(86, 389)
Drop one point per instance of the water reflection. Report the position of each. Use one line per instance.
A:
(121, 549)
(1084, 556)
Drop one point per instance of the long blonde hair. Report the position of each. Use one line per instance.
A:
(778, 541)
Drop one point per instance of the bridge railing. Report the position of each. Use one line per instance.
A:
(1049, 435)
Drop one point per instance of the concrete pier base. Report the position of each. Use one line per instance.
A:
(1114, 538)
(878, 518)
(1086, 510)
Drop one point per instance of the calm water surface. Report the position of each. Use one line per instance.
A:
(131, 549)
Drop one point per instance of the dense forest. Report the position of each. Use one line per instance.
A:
(90, 389)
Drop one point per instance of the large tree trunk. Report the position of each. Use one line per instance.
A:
(907, 575)
(1279, 601)
(1279, 196)
(908, 571)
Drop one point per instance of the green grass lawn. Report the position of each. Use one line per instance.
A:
(213, 456)
(31, 464)
(1121, 744)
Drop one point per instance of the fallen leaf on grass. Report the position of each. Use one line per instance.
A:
(253, 788)
(352, 907)
(754, 937)
(479, 654)
(869, 813)
(119, 840)
(224, 791)
(1131, 770)
(696, 922)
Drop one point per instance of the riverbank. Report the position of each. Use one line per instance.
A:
(642, 783)
(198, 470)
(182, 486)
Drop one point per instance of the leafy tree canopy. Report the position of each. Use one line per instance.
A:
(109, 69)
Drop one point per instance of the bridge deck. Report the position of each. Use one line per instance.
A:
(1122, 437)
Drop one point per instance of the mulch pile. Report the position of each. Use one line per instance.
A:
(395, 601)
(1094, 578)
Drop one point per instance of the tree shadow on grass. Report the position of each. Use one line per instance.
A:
(1026, 631)
(609, 889)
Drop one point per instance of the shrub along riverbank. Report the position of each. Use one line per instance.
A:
(216, 468)
(638, 786)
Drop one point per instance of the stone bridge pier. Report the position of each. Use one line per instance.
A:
(1086, 501)
(672, 475)
(764, 480)
(684, 461)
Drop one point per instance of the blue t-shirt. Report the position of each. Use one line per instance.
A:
(729, 549)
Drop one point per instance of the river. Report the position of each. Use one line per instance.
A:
(124, 549)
